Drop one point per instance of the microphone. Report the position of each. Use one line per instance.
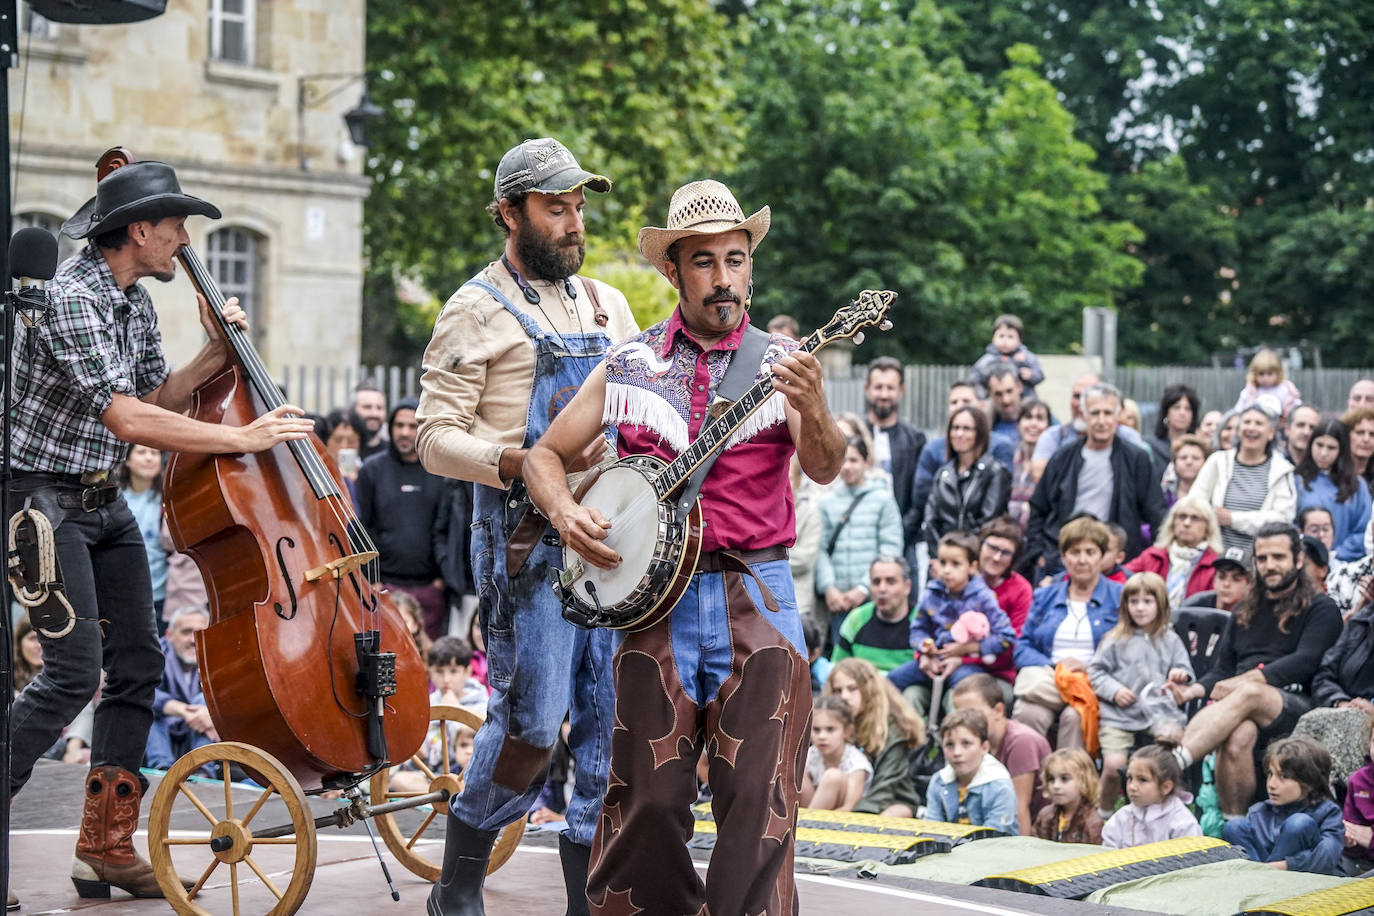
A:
(33, 262)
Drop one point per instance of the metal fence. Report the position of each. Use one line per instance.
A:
(320, 388)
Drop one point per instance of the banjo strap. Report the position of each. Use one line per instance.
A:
(739, 378)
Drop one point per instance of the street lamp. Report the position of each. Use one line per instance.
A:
(356, 118)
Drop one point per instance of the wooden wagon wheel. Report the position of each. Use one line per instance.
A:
(402, 846)
(234, 822)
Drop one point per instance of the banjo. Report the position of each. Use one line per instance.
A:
(656, 518)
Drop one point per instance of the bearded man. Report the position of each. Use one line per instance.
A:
(510, 348)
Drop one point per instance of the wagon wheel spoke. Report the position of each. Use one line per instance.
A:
(429, 819)
(228, 793)
(234, 885)
(205, 876)
(257, 805)
(200, 806)
(262, 877)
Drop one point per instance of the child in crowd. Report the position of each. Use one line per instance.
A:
(1070, 780)
(814, 636)
(1231, 576)
(973, 788)
(1006, 347)
(836, 771)
(1299, 827)
(1359, 817)
(886, 729)
(479, 650)
(1159, 805)
(1265, 377)
(414, 617)
(1116, 553)
(953, 592)
(1134, 661)
(450, 676)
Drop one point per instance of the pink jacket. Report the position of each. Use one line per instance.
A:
(1132, 826)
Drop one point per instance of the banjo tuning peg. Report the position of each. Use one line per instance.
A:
(858, 338)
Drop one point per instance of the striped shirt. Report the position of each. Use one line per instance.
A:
(98, 341)
(1246, 492)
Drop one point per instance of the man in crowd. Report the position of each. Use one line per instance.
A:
(1101, 476)
(370, 403)
(1020, 748)
(785, 325)
(1261, 674)
(896, 443)
(401, 504)
(880, 631)
(508, 348)
(180, 719)
(1004, 396)
(1361, 394)
(1301, 422)
(725, 671)
(1056, 437)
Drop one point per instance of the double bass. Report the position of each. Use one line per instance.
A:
(305, 656)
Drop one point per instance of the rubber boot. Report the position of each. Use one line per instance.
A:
(105, 853)
(458, 892)
(576, 859)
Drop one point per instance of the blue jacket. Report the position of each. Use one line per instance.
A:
(989, 802)
(1350, 518)
(1048, 609)
(873, 530)
(938, 610)
(178, 683)
(1266, 819)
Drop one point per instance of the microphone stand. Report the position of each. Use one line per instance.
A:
(9, 57)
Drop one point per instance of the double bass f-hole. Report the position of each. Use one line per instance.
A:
(286, 577)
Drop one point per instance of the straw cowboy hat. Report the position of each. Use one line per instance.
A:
(139, 190)
(700, 208)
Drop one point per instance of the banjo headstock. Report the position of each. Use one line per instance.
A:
(869, 309)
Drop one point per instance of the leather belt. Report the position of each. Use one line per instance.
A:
(711, 562)
(88, 499)
(105, 477)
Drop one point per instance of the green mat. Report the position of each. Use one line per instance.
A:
(974, 861)
(1215, 889)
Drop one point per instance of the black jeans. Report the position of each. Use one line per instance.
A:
(105, 570)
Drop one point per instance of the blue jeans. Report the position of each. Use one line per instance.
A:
(165, 749)
(539, 666)
(1298, 834)
(105, 571)
(909, 674)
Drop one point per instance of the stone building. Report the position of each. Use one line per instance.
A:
(245, 98)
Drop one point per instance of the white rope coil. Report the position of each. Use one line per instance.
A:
(47, 570)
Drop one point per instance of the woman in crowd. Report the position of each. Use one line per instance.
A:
(1342, 690)
(999, 548)
(1130, 414)
(1224, 436)
(343, 433)
(1360, 422)
(1190, 451)
(1207, 426)
(1068, 618)
(28, 655)
(1251, 484)
(802, 556)
(1034, 420)
(971, 487)
(1178, 416)
(860, 521)
(140, 480)
(1188, 543)
(886, 729)
(1326, 477)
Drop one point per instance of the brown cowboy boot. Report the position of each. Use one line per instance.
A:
(105, 853)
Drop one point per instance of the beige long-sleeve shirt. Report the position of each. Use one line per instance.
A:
(479, 367)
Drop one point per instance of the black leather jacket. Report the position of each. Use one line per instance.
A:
(953, 506)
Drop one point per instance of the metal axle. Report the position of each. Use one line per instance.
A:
(351, 813)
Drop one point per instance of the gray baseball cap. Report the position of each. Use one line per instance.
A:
(546, 166)
(1239, 557)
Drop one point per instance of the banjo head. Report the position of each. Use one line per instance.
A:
(624, 495)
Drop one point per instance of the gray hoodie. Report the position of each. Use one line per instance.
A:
(1137, 662)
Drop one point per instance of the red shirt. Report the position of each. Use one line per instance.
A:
(659, 387)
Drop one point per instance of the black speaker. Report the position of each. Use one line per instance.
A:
(98, 12)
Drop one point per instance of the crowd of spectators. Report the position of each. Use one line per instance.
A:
(994, 612)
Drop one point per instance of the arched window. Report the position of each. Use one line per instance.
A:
(236, 257)
(66, 246)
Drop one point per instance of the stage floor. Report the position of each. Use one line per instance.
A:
(348, 879)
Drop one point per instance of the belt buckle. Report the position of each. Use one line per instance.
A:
(94, 478)
(92, 498)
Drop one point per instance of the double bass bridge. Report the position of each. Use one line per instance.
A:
(343, 566)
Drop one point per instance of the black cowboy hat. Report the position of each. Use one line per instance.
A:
(139, 190)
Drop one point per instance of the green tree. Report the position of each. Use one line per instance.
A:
(637, 89)
(887, 167)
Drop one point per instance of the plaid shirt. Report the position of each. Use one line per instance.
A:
(98, 341)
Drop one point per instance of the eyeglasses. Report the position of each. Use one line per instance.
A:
(997, 551)
(1186, 517)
